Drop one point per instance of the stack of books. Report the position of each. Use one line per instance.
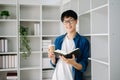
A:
(8, 61)
(45, 44)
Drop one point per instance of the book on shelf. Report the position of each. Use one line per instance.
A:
(75, 52)
(36, 29)
(8, 61)
(6, 45)
(12, 76)
(3, 45)
(1, 62)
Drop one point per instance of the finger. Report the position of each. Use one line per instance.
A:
(60, 57)
(48, 49)
(73, 56)
(50, 54)
(65, 59)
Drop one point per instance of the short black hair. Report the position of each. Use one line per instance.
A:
(69, 13)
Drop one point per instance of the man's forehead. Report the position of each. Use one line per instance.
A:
(67, 18)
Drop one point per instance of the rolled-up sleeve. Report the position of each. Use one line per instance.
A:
(85, 55)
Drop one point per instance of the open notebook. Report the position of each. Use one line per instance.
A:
(76, 52)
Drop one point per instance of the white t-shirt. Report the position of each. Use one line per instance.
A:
(63, 71)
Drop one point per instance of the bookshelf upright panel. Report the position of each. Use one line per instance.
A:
(9, 39)
(30, 17)
(50, 29)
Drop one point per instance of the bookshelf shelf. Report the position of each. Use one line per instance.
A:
(30, 20)
(11, 69)
(99, 61)
(51, 20)
(29, 68)
(97, 8)
(7, 2)
(2, 53)
(49, 35)
(97, 3)
(87, 12)
(8, 20)
(4, 36)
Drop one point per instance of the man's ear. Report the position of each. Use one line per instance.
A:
(76, 21)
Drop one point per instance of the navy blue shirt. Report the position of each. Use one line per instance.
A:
(82, 43)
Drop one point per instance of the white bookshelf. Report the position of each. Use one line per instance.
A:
(97, 23)
(28, 13)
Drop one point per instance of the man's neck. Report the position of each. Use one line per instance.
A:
(71, 35)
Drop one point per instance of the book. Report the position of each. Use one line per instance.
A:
(2, 45)
(36, 29)
(76, 53)
(1, 62)
(12, 76)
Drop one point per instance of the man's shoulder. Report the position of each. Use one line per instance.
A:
(58, 41)
(79, 36)
(82, 38)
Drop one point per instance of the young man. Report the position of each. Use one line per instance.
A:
(70, 68)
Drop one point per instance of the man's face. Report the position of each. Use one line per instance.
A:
(70, 24)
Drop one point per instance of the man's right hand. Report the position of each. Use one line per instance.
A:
(51, 56)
